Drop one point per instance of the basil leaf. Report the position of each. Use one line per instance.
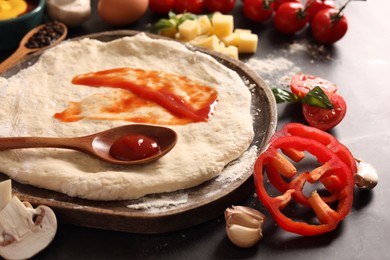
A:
(317, 97)
(163, 24)
(282, 96)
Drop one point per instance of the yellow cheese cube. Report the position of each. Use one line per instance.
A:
(240, 31)
(223, 24)
(231, 51)
(205, 24)
(231, 39)
(248, 43)
(208, 42)
(189, 29)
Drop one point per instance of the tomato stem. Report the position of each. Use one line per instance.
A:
(338, 15)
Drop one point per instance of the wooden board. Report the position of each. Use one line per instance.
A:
(203, 202)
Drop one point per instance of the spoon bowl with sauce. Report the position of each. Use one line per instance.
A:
(39, 38)
(124, 145)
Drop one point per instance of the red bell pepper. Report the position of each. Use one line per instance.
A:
(296, 129)
(331, 167)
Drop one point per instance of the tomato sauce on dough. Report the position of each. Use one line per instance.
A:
(186, 100)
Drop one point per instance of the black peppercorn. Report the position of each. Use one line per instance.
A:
(48, 34)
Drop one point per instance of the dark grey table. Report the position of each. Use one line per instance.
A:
(359, 64)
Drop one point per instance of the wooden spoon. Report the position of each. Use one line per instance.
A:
(99, 144)
(23, 50)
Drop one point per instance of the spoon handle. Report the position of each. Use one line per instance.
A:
(14, 58)
(8, 143)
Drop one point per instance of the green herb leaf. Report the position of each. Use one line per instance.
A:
(163, 24)
(282, 96)
(317, 97)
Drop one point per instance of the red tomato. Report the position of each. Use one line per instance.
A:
(258, 10)
(290, 18)
(161, 6)
(314, 6)
(302, 83)
(329, 26)
(223, 6)
(278, 3)
(325, 119)
(191, 6)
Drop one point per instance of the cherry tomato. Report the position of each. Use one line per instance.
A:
(329, 26)
(303, 83)
(223, 6)
(161, 6)
(314, 6)
(326, 119)
(290, 18)
(278, 3)
(258, 10)
(191, 6)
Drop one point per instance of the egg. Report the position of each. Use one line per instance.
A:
(122, 12)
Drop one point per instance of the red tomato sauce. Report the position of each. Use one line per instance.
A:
(186, 100)
(134, 147)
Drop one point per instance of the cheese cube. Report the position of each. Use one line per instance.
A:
(231, 39)
(231, 51)
(205, 25)
(240, 31)
(248, 43)
(223, 24)
(208, 42)
(189, 29)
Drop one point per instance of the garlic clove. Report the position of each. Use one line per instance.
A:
(251, 212)
(244, 225)
(242, 219)
(243, 236)
(366, 177)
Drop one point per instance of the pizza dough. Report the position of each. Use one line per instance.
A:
(34, 95)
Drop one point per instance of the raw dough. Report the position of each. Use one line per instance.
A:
(34, 95)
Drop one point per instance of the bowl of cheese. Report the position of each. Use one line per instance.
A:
(17, 17)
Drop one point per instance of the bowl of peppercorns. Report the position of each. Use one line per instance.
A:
(17, 17)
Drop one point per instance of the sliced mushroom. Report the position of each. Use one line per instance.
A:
(5, 193)
(366, 177)
(25, 231)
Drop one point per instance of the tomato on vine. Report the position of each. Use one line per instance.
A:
(223, 6)
(258, 10)
(278, 3)
(161, 6)
(190, 6)
(312, 7)
(290, 18)
(329, 26)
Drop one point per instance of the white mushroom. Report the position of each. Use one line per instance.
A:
(366, 177)
(5, 193)
(24, 231)
(71, 12)
(244, 225)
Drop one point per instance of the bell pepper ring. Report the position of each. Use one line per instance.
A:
(331, 165)
(296, 129)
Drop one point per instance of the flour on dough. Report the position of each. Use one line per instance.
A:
(34, 95)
